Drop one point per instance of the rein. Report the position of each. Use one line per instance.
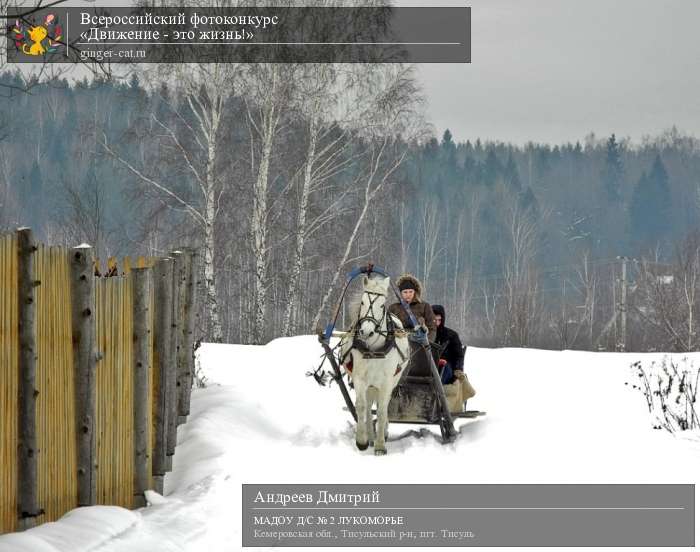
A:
(369, 315)
(391, 331)
(389, 334)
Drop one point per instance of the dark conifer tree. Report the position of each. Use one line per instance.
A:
(491, 169)
(449, 171)
(511, 175)
(650, 210)
(613, 172)
(528, 202)
(449, 150)
(429, 165)
(543, 162)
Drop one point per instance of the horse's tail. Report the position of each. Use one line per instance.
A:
(372, 395)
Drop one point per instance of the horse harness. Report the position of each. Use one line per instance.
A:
(389, 335)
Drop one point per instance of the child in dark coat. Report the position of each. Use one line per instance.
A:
(452, 353)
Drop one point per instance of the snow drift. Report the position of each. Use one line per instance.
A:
(552, 417)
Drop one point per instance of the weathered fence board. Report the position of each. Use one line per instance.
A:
(88, 380)
(28, 450)
(57, 467)
(84, 359)
(185, 358)
(9, 384)
(163, 283)
(114, 391)
(175, 329)
(142, 315)
(191, 311)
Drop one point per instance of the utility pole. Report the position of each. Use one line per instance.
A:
(622, 307)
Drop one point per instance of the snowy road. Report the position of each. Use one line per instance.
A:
(552, 418)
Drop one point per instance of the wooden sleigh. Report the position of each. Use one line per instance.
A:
(419, 397)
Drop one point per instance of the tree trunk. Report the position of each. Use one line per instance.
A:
(215, 330)
(301, 232)
(341, 265)
(259, 222)
(458, 248)
(369, 194)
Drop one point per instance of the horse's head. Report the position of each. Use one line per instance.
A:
(373, 307)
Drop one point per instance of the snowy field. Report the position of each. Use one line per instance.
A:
(552, 417)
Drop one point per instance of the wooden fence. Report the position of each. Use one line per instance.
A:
(95, 376)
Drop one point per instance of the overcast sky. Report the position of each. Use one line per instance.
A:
(555, 70)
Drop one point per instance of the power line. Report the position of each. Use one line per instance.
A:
(547, 270)
(480, 296)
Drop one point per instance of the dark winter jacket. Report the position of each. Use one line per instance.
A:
(449, 339)
(422, 311)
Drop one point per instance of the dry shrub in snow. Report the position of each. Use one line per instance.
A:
(200, 380)
(670, 389)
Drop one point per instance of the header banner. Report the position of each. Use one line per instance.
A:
(241, 35)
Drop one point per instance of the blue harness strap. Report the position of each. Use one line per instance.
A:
(368, 269)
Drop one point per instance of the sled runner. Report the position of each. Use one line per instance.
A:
(419, 397)
(416, 399)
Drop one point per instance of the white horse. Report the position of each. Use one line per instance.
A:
(374, 377)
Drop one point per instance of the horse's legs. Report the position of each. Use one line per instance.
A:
(361, 437)
(382, 422)
(372, 397)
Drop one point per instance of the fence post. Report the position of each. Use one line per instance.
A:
(84, 362)
(200, 322)
(186, 360)
(173, 365)
(142, 328)
(182, 338)
(163, 285)
(27, 500)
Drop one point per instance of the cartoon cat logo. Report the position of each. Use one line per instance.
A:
(30, 40)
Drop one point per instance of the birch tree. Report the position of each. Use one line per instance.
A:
(268, 92)
(193, 134)
(588, 281)
(392, 119)
(317, 79)
(668, 297)
(371, 183)
(522, 302)
(430, 223)
(329, 138)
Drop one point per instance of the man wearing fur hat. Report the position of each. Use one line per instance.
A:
(411, 289)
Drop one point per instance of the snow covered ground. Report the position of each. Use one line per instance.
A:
(553, 417)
